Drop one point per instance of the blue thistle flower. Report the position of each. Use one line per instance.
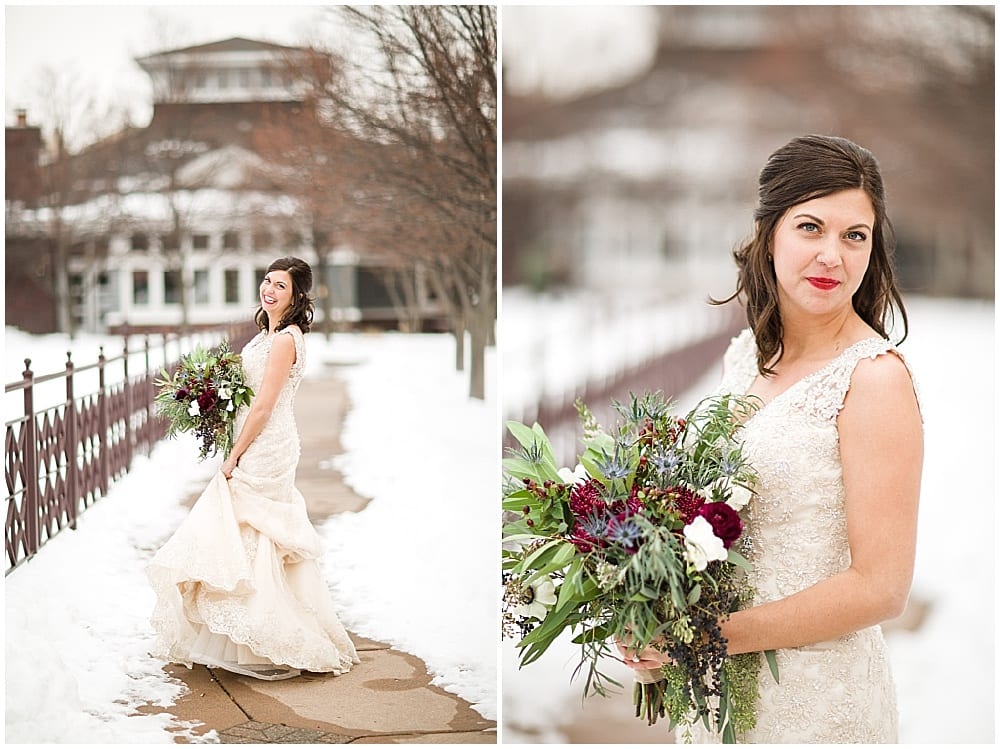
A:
(625, 532)
(728, 466)
(666, 461)
(595, 525)
(613, 467)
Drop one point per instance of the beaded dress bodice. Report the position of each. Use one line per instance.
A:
(277, 446)
(837, 691)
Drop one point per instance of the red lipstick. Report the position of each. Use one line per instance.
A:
(823, 283)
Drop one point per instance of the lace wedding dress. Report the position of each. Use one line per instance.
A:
(238, 585)
(839, 691)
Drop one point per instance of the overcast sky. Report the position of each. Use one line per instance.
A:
(95, 46)
(562, 50)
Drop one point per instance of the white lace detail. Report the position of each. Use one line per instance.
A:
(238, 583)
(834, 692)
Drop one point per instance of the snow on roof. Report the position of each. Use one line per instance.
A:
(235, 44)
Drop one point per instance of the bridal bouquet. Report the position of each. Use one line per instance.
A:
(639, 544)
(203, 396)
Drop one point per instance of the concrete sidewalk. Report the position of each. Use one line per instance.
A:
(386, 699)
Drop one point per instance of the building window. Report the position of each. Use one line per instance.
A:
(244, 74)
(201, 287)
(265, 77)
(222, 80)
(231, 240)
(231, 279)
(171, 287)
(170, 241)
(199, 241)
(140, 241)
(262, 239)
(200, 80)
(140, 287)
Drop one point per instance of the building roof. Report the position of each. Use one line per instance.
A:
(235, 44)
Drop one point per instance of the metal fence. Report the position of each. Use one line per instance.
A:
(671, 372)
(59, 460)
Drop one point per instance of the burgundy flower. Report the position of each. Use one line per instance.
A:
(685, 502)
(585, 499)
(206, 401)
(181, 395)
(630, 506)
(725, 521)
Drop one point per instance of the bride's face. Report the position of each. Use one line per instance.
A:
(821, 250)
(276, 294)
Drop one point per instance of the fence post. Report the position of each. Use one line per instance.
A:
(32, 535)
(127, 387)
(72, 446)
(102, 424)
(148, 398)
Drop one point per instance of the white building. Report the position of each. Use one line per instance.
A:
(176, 222)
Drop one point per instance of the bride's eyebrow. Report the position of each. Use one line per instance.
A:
(821, 222)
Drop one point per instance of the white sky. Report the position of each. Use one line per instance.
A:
(562, 50)
(565, 50)
(95, 46)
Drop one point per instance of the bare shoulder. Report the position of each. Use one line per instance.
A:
(283, 348)
(880, 386)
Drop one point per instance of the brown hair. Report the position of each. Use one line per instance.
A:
(300, 311)
(808, 167)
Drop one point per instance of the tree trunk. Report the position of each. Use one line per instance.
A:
(458, 329)
(477, 369)
(60, 276)
(323, 289)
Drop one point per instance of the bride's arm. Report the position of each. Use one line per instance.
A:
(881, 449)
(279, 364)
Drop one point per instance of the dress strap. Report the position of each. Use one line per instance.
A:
(300, 348)
(739, 364)
(825, 393)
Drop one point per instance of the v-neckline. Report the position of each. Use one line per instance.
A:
(799, 381)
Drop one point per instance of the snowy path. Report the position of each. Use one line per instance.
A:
(77, 615)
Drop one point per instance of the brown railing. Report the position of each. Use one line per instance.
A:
(59, 460)
(672, 373)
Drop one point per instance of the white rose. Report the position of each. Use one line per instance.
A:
(193, 409)
(738, 497)
(577, 476)
(701, 545)
(224, 393)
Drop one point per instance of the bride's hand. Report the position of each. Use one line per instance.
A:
(228, 466)
(650, 658)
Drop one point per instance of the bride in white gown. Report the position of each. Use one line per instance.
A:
(837, 445)
(238, 585)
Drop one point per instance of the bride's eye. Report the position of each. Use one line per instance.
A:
(809, 226)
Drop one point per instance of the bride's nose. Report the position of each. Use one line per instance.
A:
(828, 256)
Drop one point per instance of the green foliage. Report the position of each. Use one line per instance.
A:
(633, 581)
(204, 376)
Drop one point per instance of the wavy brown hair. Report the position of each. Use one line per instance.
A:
(808, 167)
(300, 311)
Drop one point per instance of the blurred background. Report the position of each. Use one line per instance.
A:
(632, 141)
(159, 157)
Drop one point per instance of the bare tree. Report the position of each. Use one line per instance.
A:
(426, 102)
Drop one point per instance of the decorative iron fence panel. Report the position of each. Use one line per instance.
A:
(59, 460)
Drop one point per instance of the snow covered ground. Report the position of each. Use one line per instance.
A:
(945, 669)
(77, 614)
(413, 568)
